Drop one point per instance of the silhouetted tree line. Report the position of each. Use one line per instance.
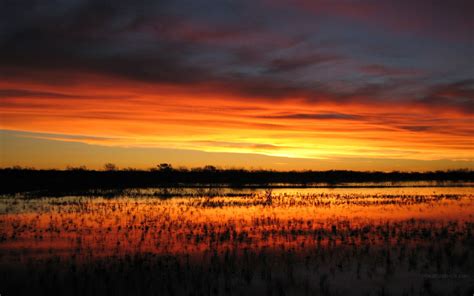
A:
(17, 179)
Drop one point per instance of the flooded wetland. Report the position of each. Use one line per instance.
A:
(220, 241)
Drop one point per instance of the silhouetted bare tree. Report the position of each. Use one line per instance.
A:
(166, 167)
(110, 167)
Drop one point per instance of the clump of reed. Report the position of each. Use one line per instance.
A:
(252, 243)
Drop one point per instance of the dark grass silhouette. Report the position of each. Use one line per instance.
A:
(135, 245)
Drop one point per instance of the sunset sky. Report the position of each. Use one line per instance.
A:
(276, 84)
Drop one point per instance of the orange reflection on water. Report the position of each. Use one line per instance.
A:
(91, 227)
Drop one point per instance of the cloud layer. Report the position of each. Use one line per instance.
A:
(310, 79)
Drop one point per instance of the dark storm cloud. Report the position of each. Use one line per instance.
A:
(26, 93)
(18, 93)
(253, 48)
(417, 128)
(438, 18)
(153, 41)
(316, 116)
(90, 36)
(294, 63)
(458, 95)
(381, 70)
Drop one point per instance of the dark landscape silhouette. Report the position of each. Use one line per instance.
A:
(17, 179)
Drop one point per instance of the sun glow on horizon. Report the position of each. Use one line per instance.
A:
(324, 88)
(199, 119)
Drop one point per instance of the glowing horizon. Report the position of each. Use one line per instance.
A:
(189, 81)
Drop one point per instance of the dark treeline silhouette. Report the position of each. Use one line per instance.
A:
(17, 179)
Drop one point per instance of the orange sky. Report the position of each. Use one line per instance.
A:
(118, 113)
(288, 84)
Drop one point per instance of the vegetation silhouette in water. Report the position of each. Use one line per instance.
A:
(317, 241)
